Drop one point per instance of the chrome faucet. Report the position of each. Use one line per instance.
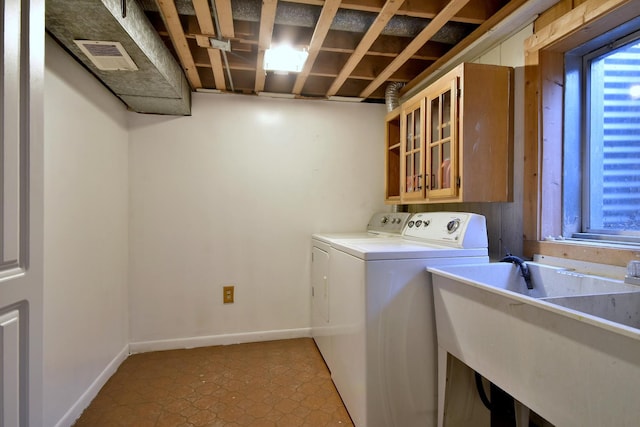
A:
(522, 265)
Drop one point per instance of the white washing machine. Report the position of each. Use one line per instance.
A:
(381, 225)
(380, 333)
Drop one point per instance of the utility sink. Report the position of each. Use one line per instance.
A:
(569, 349)
(548, 281)
(602, 297)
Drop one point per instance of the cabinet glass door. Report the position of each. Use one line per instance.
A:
(413, 151)
(441, 142)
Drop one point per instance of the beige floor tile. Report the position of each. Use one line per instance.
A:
(275, 383)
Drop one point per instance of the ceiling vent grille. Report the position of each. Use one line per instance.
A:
(107, 56)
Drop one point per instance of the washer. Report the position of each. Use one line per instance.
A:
(380, 334)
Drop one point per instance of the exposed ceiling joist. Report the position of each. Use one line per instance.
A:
(386, 13)
(225, 18)
(203, 13)
(204, 16)
(501, 16)
(176, 32)
(432, 28)
(329, 10)
(356, 47)
(267, 21)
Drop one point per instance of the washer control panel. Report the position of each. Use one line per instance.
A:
(458, 229)
(388, 222)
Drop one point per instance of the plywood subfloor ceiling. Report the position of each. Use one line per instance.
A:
(356, 47)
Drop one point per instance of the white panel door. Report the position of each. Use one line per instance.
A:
(21, 212)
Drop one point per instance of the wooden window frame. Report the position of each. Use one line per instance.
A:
(544, 87)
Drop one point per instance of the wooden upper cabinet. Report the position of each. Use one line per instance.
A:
(457, 139)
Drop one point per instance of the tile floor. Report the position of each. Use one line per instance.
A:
(275, 383)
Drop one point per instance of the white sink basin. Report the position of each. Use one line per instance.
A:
(569, 349)
(623, 308)
(548, 281)
(601, 297)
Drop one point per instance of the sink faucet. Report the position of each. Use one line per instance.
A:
(522, 265)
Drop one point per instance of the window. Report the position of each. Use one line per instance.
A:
(601, 179)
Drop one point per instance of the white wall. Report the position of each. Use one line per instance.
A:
(232, 195)
(510, 52)
(86, 232)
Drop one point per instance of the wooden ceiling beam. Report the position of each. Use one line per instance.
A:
(176, 34)
(267, 21)
(425, 35)
(218, 69)
(203, 14)
(497, 17)
(349, 64)
(327, 14)
(476, 12)
(385, 15)
(261, 74)
(225, 18)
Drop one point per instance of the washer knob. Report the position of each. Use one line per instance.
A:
(453, 225)
(384, 220)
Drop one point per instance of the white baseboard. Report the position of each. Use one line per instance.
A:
(70, 417)
(225, 339)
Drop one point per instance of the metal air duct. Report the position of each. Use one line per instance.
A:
(158, 86)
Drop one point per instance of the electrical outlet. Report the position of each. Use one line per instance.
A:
(227, 294)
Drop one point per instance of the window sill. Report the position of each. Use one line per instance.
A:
(598, 252)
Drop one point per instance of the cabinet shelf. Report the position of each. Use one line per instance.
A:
(393, 142)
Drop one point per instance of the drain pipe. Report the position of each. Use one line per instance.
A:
(391, 95)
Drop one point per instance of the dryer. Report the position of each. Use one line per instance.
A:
(381, 329)
(380, 225)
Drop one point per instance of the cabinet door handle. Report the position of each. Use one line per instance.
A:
(420, 182)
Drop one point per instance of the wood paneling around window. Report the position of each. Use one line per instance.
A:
(562, 28)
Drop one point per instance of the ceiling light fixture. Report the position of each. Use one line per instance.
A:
(285, 58)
